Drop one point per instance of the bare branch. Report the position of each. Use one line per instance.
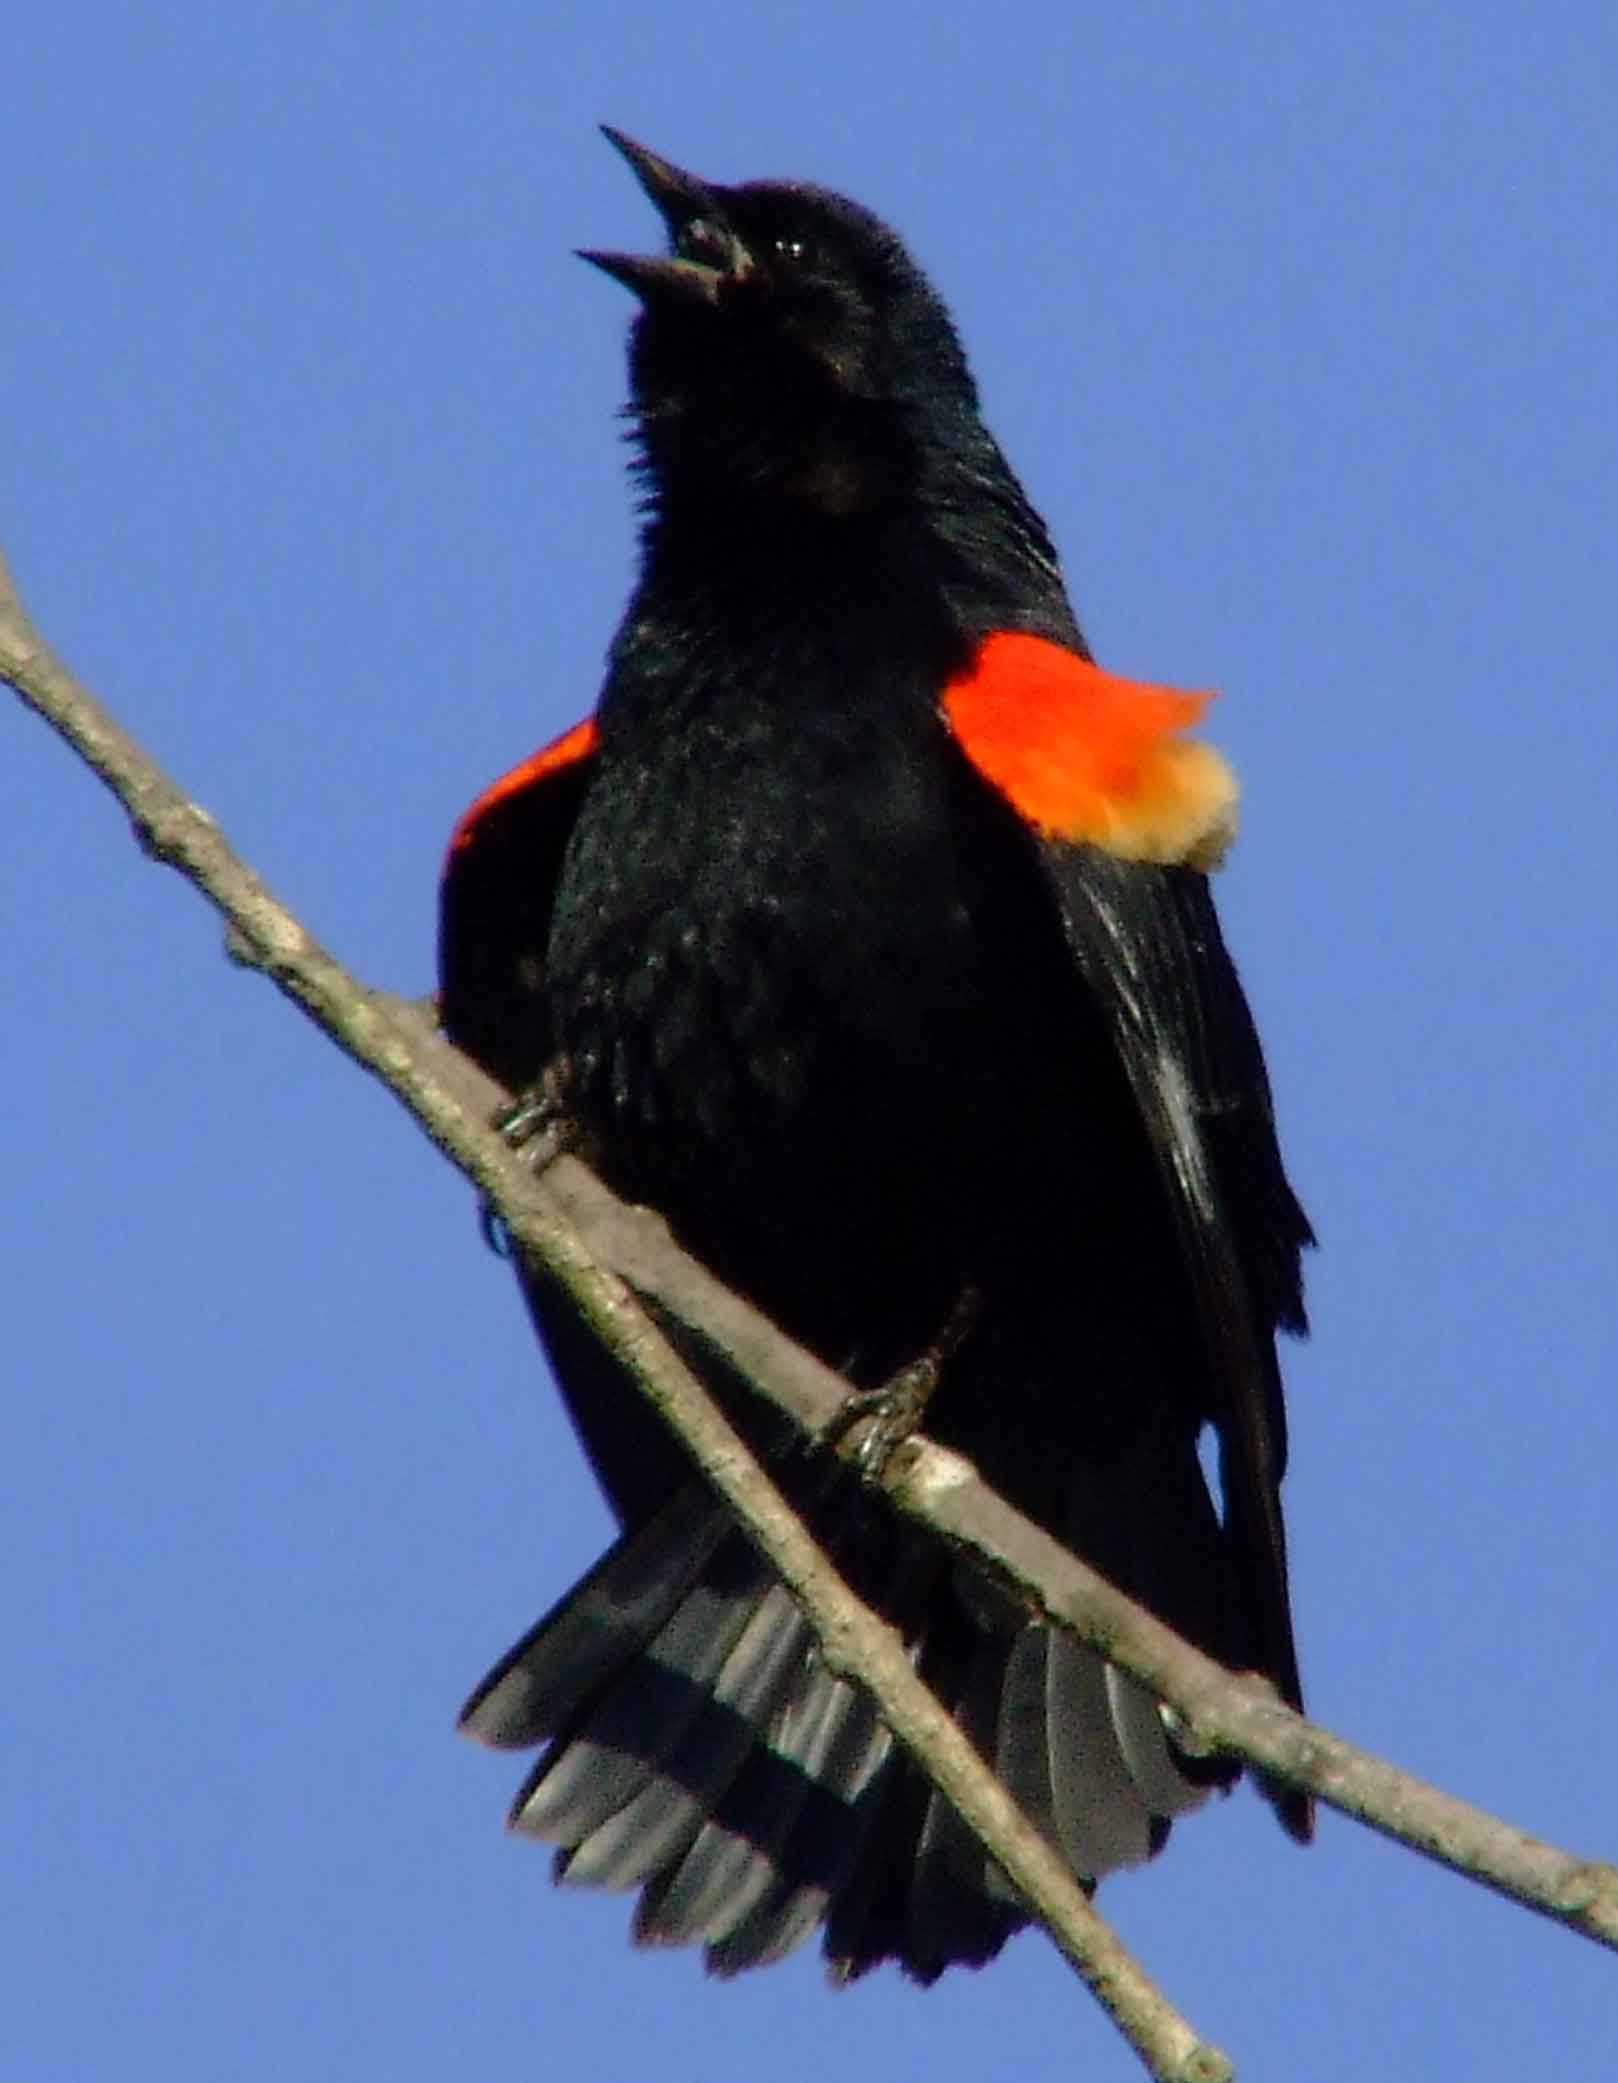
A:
(601, 1249)
(389, 1037)
(1219, 1713)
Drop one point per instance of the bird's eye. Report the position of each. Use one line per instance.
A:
(703, 241)
(791, 252)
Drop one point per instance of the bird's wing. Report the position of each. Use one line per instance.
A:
(495, 901)
(1123, 813)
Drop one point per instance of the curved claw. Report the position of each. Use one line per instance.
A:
(896, 1407)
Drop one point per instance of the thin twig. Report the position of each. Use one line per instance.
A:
(594, 1245)
(1219, 1713)
(384, 1035)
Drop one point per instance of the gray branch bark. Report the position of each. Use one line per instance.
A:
(608, 1254)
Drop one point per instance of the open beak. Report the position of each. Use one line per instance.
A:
(707, 252)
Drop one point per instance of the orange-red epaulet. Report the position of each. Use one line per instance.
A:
(1085, 755)
(568, 750)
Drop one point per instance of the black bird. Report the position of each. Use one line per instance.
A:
(867, 925)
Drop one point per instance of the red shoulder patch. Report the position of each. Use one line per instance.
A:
(1085, 755)
(566, 751)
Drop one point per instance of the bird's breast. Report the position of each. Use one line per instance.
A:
(761, 937)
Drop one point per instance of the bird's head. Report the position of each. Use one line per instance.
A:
(786, 343)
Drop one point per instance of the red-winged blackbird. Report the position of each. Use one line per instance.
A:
(870, 922)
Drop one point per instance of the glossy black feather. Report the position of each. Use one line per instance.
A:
(869, 1040)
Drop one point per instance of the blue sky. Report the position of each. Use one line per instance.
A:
(1299, 324)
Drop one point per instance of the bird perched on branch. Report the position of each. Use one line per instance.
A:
(867, 925)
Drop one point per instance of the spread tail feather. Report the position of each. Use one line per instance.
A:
(698, 1749)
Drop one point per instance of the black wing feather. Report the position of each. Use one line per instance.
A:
(1148, 945)
(494, 921)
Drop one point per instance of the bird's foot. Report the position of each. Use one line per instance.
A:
(538, 1126)
(537, 1121)
(893, 1410)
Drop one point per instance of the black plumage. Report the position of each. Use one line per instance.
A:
(873, 1037)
